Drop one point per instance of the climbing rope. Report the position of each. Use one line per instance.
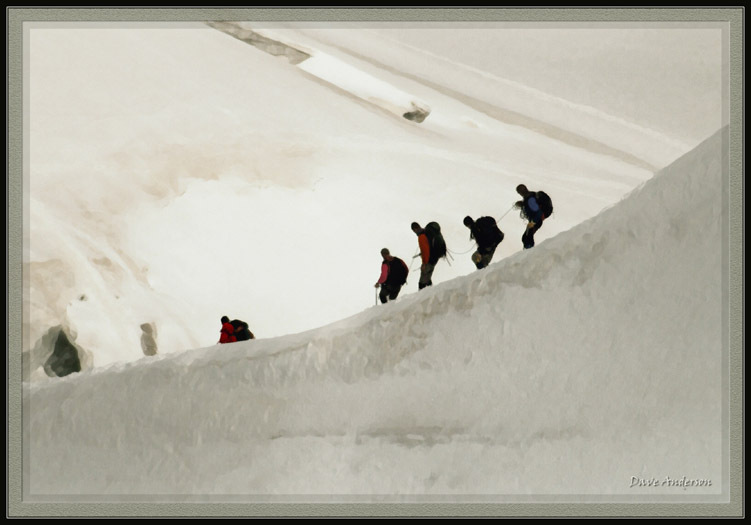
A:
(509, 211)
(473, 247)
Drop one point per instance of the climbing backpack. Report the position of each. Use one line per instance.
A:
(435, 241)
(488, 233)
(546, 204)
(398, 271)
(242, 332)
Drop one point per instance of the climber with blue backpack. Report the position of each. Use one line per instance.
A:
(535, 206)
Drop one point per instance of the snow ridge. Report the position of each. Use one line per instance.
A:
(556, 359)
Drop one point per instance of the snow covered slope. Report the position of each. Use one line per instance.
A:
(215, 179)
(604, 88)
(582, 366)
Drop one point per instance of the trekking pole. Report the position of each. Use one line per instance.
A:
(376, 297)
(415, 256)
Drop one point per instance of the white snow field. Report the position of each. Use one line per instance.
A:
(570, 368)
(180, 174)
(215, 179)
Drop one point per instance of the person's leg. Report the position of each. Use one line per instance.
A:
(383, 296)
(394, 292)
(532, 232)
(477, 259)
(423, 279)
(426, 275)
(487, 257)
(529, 236)
(525, 239)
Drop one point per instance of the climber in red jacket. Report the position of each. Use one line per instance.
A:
(227, 332)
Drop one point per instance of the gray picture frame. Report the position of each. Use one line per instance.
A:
(732, 506)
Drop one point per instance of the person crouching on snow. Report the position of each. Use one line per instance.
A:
(227, 333)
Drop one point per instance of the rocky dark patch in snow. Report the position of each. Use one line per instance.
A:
(418, 113)
(148, 339)
(267, 45)
(56, 354)
(64, 359)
